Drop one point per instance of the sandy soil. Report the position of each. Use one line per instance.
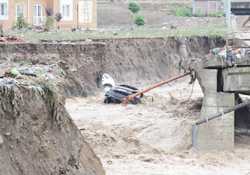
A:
(116, 16)
(153, 138)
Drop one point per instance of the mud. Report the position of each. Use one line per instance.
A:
(139, 62)
(39, 137)
(154, 137)
(147, 60)
(83, 64)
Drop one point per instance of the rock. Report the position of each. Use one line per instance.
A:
(73, 69)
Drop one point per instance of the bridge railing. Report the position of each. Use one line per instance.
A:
(206, 119)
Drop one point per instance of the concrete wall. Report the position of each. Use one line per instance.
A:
(217, 134)
(67, 24)
(207, 79)
(240, 4)
(236, 79)
(7, 23)
(205, 6)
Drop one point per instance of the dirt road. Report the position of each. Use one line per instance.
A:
(153, 138)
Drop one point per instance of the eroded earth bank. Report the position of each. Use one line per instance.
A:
(149, 138)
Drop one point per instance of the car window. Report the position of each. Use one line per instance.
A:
(106, 77)
(121, 92)
(130, 87)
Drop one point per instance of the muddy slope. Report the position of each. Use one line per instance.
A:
(35, 140)
(136, 61)
(52, 144)
(144, 61)
(83, 64)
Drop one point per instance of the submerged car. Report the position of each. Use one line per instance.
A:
(117, 93)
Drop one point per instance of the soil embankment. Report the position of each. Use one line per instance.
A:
(51, 145)
(137, 61)
(83, 64)
(153, 137)
(145, 61)
(37, 136)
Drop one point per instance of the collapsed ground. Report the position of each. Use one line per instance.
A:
(152, 138)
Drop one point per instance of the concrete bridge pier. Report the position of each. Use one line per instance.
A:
(217, 134)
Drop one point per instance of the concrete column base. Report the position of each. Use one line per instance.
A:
(216, 134)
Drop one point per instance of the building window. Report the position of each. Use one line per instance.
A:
(38, 18)
(19, 10)
(66, 9)
(3, 10)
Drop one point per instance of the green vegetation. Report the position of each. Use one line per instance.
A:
(134, 7)
(51, 93)
(47, 25)
(9, 96)
(21, 23)
(140, 20)
(49, 20)
(187, 12)
(182, 11)
(216, 14)
(208, 30)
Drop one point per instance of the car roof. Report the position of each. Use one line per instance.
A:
(126, 87)
(124, 92)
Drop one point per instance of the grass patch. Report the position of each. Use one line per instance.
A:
(208, 30)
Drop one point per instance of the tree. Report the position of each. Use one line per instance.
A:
(58, 17)
(140, 20)
(134, 7)
(49, 20)
(21, 23)
(49, 11)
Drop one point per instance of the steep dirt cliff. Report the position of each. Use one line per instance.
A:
(37, 136)
(143, 61)
(82, 63)
(137, 61)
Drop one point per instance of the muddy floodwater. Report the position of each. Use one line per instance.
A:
(153, 138)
